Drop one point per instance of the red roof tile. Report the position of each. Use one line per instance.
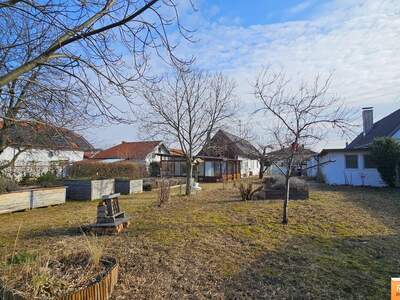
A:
(128, 150)
(33, 134)
(177, 152)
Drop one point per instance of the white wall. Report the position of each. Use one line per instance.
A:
(249, 166)
(335, 173)
(153, 157)
(38, 161)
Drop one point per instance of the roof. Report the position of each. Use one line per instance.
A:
(176, 152)
(340, 150)
(229, 145)
(34, 134)
(301, 154)
(89, 154)
(128, 150)
(384, 127)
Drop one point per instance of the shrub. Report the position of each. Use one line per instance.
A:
(47, 179)
(246, 190)
(385, 152)
(27, 179)
(7, 185)
(98, 170)
(164, 192)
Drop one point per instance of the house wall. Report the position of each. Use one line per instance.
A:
(248, 167)
(38, 161)
(153, 157)
(312, 169)
(335, 172)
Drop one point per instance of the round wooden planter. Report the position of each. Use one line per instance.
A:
(100, 290)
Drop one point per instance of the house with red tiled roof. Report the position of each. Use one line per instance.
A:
(143, 152)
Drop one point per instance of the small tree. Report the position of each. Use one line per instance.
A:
(385, 152)
(301, 116)
(187, 108)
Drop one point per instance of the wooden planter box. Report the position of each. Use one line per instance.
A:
(15, 201)
(126, 186)
(78, 189)
(279, 194)
(48, 196)
(99, 290)
(31, 198)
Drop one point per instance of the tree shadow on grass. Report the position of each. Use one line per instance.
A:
(318, 268)
(58, 232)
(380, 203)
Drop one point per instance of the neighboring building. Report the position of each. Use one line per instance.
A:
(277, 161)
(90, 154)
(225, 157)
(46, 148)
(143, 152)
(231, 147)
(353, 165)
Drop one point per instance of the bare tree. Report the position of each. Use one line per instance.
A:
(301, 116)
(264, 163)
(62, 61)
(188, 107)
(84, 35)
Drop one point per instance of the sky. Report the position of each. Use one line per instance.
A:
(358, 41)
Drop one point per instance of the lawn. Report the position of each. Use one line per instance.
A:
(341, 243)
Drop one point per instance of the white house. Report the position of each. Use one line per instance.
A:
(278, 165)
(143, 152)
(353, 165)
(45, 148)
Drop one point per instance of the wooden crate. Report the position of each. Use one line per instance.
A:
(126, 187)
(48, 196)
(78, 189)
(15, 201)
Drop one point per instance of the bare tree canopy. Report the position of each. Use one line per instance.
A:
(61, 62)
(83, 37)
(298, 116)
(188, 108)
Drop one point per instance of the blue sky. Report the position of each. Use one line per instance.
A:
(248, 13)
(358, 41)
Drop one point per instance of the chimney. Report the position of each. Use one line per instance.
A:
(368, 119)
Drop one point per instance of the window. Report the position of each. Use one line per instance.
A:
(200, 169)
(351, 161)
(209, 169)
(368, 162)
(217, 169)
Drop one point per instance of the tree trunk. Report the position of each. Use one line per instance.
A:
(261, 172)
(286, 201)
(189, 172)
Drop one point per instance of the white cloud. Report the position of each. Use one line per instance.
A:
(300, 7)
(358, 40)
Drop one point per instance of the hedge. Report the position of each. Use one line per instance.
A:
(99, 170)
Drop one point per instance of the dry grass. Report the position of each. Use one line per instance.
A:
(342, 243)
